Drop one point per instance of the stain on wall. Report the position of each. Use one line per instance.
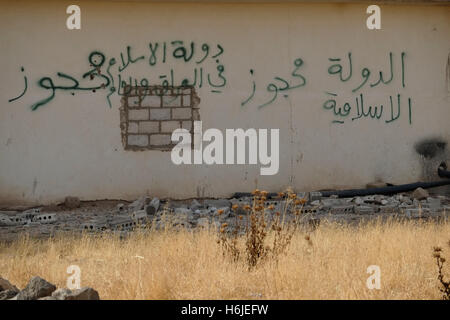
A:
(430, 148)
(432, 152)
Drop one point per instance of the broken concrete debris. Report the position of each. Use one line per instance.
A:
(152, 207)
(139, 204)
(202, 213)
(13, 218)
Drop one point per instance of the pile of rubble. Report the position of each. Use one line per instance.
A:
(40, 289)
(195, 213)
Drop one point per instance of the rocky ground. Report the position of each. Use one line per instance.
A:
(40, 289)
(122, 217)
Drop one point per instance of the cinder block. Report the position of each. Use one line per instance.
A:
(15, 220)
(139, 215)
(159, 114)
(133, 101)
(45, 218)
(138, 114)
(182, 113)
(88, 226)
(327, 202)
(314, 195)
(132, 127)
(94, 225)
(148, 127)
(390, 208)
(309, 210)
(160, 139)
(369, 199)
(121, 224)
(186, 100)
(5, 220)
(364, 209)
(28, 215)
(151, 101)
(187, 91)
(342, 209)
(32, 211)
(171, 101)
(169, 126)
(137, 140)
(187, 125)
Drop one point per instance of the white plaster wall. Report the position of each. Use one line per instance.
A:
(72, 145)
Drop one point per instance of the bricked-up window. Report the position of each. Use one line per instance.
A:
(149, 115)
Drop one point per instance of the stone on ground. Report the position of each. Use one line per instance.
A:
(48, 298)
(7, 290)
(85, 293)
(35, 289)
(6, 285)
(8, 294)
(61, 294)
(420, 194)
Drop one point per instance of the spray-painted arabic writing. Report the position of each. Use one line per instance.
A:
(114, 81)
(359, 105)
(205, 70)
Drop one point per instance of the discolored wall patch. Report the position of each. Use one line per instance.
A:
(432, 151)
(149, 115)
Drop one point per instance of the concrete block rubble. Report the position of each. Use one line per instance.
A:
(203, 213)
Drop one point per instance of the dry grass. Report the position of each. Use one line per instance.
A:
(329, 264)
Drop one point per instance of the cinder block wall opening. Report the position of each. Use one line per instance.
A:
(150, 114)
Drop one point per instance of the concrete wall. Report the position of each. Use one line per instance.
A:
(71, 145)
